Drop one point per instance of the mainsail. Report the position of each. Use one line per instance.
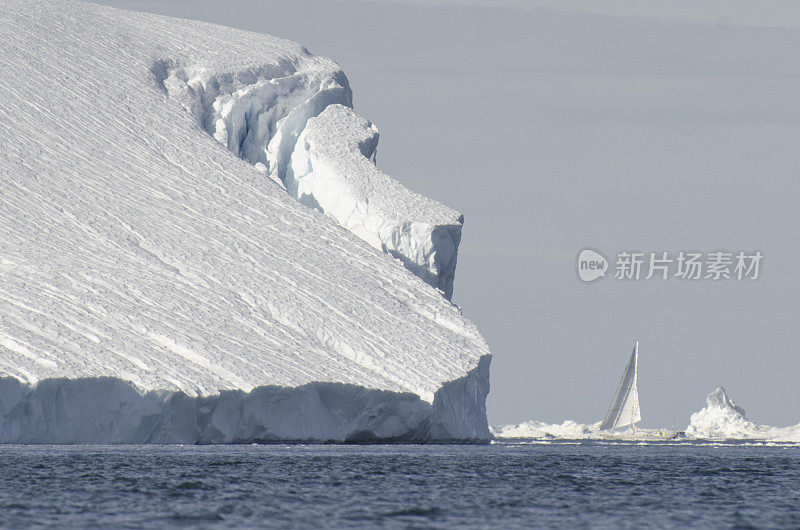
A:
(624, 408)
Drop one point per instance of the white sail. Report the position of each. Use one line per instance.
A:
(624, 409)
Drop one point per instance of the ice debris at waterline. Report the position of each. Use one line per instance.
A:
(572, 430)
(156, 286)
(540, 430)
(722, 419)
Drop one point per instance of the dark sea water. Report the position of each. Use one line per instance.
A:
(498, 485)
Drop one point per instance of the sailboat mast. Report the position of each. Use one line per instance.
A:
(636, 382)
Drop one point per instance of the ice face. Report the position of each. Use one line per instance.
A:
(112, 411)
(134, 247)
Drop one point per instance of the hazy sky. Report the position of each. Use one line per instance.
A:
(556, 130)
(773, 13)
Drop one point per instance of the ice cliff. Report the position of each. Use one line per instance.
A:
(156, 286)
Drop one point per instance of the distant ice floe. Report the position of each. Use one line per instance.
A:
(570, 430)
(720, 420)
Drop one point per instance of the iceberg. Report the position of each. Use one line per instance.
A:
(162, 276)
(533, 429)
(722, 419)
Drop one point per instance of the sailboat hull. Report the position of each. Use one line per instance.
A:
(643, 435)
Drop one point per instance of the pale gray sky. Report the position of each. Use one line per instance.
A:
(769, 13)
(554, 130)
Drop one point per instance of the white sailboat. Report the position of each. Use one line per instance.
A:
(624, 410)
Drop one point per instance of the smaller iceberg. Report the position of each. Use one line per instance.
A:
(568, 430)
(722, 419)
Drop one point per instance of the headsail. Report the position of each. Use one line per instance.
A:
(624, 408)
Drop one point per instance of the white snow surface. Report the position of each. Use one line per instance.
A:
(722, 419)
(156, 287)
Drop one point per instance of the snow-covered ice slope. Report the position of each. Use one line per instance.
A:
(721, 418)
(156, 287)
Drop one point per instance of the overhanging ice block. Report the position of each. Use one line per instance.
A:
(333, 170)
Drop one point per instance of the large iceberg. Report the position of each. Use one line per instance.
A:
(722, 419)
(156, 286)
